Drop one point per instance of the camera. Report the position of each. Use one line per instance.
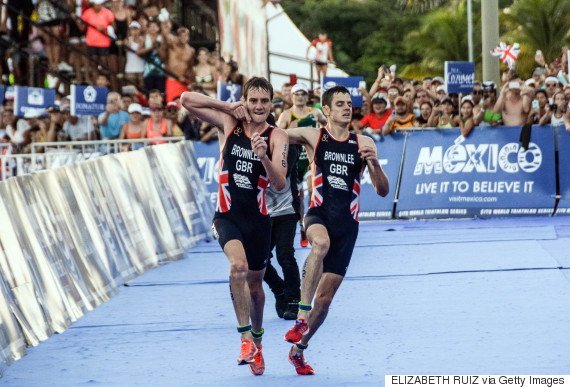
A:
(553, 107)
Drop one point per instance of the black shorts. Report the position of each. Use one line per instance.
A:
(319, 63)
(98, 51)
(342, 236)
(254, 233)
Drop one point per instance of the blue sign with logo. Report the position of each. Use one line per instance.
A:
(373, 206)
(32, 100)
(229, 92)
(487, 174)
(351, 83)
(459, 77)
(563, 170)
(88, 100)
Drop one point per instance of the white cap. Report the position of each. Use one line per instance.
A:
(529, 81)
(134, 24)
(135, 108)
(299, 87)
(98, 1)
(551, 79)
(467, 98)
(440, 88)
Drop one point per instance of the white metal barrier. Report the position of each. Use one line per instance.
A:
(100, 146)
(21, 164)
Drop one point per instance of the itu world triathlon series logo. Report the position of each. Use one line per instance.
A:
(90, 94)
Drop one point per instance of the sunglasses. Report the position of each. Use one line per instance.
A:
(172, 110)
(551, 85)
(393, 93)
(300, 93)
(477, 92)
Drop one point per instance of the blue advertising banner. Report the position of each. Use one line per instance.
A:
(33, 100)
(2, 92)
(229, 92)
(208, 155)
(351, 83)
(486, 174)
(459, 77)
(563, 171)
(373, 206)
(88, 100)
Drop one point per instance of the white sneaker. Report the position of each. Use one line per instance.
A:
(64, 67)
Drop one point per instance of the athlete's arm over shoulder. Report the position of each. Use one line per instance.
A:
(276, 167)
(221, 114)
(368, 152)
(308, 137)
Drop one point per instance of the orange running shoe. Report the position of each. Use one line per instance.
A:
(248, 351)
(304, 240)
(258, 365)
(295, 334)
(298, 360)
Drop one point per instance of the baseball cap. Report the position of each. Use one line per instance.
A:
(135, 108)
(467, 98)
(378, 97)
(446, 100)
(98, 1)
(299, 87)
(134, 24)
(488, 85)
(437, 79)
(440, 88)
(53, 109)
(172, 104)
(529, 82)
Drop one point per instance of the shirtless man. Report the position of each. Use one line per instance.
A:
(513, 104)
(180, 62)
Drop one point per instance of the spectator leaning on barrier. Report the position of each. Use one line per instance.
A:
(111, 121)
(401, 119)
(323, 54)
(538, 107)
(78, 128)
(372, 123)
(487, 115)
(157, 126)
(56, 121)
(426, 108)
(442, 115)
(554, 114)
(467, 120)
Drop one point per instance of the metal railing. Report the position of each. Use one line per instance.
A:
(21, 164)
(99, 146)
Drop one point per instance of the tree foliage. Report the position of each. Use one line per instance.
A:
(420, 35)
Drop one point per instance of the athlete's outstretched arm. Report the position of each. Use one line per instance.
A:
(367, 149)
(276, 167)
(218, 113)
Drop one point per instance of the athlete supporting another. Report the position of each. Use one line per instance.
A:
(252, 154)
(338, 159)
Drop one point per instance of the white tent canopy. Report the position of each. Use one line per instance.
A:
(287, 48)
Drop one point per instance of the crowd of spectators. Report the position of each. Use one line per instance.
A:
(106, 39)
(131, 47)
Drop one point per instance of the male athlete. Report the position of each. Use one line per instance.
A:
(303, 116)
(338, 159)
(252, 154)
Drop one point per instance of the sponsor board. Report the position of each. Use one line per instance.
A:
(486, 174)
